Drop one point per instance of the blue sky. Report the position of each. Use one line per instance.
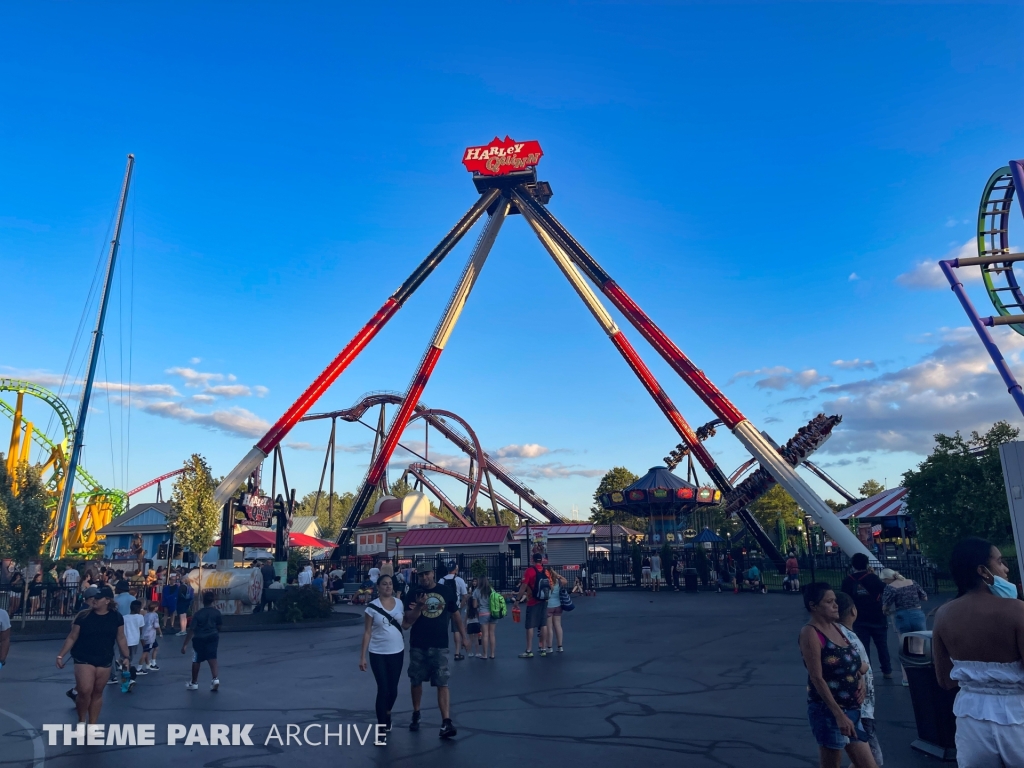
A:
(765, 179)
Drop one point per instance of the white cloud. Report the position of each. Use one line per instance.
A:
(194, 360)
(780, 377)
(556, 471)
(853, 277)
(54, 381)
(228, 390)
(203, 399)
(527, 451)
(926, 274)
(151, 390)
(234, 421)
(260, 391)
(322, 447)
(855, 365)
(951, 222)
(954, 387)
(194, 378)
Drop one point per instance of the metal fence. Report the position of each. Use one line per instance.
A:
(621, 566)
(42, 603)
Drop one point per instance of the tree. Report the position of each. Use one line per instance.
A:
(835, 506)
(329, 518)
(869, 488)
(615, 479)
(958, 491)
(776, 505)
(194, 517)
(24, 517)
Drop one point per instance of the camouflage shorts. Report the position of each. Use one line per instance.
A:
(429, 664)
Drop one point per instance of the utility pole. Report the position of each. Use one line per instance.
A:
(57, 546)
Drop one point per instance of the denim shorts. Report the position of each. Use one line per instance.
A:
(826, 729)
(909, 620)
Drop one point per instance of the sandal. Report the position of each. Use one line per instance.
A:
(459, 657)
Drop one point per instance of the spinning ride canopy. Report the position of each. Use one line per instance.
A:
(659, 493)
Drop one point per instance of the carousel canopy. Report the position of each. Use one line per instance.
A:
(659, 488)
(707, 536)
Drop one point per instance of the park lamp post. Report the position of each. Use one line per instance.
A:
(810, 546)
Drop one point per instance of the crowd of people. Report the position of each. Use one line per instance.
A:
(430, 608)
(978, 638)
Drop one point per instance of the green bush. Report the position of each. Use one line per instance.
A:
(303, 603)
(478, 568)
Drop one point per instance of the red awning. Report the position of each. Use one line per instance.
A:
(305, 540)
(262, 537)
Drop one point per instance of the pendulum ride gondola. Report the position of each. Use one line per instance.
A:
(504, 173)
(996, 263)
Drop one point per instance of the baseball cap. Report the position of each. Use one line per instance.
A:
(106, 592)
(425, 567)
(538, 557)
(90, 593)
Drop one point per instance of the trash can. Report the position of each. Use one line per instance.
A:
(933, 705)
(690, 579)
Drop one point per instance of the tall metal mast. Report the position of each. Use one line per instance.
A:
(57, 546)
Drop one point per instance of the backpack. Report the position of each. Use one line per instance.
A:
(185, 591)
(497, 604)
(542, 586)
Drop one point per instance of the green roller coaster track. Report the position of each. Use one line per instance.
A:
(994, 240)
(118, 498)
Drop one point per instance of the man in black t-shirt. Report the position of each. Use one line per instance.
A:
(427, 608)
(864, 586)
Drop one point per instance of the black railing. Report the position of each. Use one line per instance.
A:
(42, 603)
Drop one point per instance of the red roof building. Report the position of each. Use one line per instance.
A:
(423, 543)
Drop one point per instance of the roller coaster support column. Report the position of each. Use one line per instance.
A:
(653, 387)
(719, 404)
(63, 510)
(426, 367)
(947, 267)
(338, 365)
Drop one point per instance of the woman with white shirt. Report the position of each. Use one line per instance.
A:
(978, 643)
(385, 643)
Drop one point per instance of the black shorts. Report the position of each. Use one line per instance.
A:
(204, 648)
(147, 647)
(96, 662)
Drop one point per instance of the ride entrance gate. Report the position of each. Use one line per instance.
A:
(504, 173)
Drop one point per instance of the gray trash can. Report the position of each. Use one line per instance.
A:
(690, 579)
(933, 705)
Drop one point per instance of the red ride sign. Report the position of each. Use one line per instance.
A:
(501, 157)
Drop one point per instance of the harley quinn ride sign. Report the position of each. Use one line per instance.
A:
(501, 157)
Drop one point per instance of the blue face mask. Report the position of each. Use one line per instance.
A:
(1000, 587)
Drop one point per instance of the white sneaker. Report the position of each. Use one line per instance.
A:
(192, 686)
(215, 684)
(153, 666)
(141, 671)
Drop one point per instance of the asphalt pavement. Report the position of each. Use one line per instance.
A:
(668, 679)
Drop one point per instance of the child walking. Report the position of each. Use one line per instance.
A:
(150, 629)
(474, 642)
(848, 615)
(204, 632)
